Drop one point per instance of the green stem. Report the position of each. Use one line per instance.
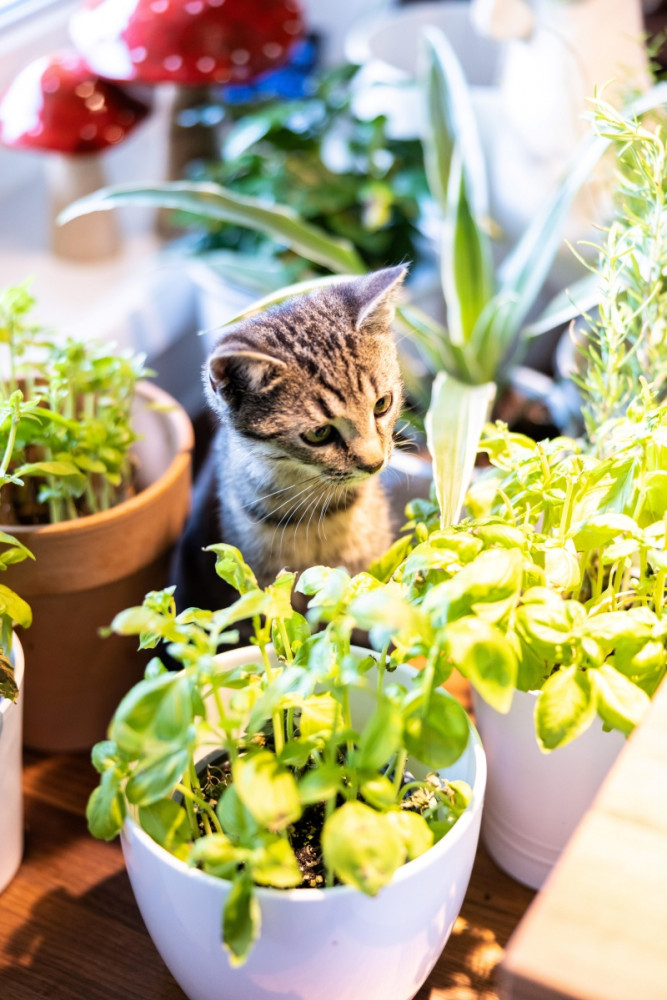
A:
(189, 808)
(209, 817)
(566, 513)
(659, 591)
(428, 677)
(11, 439)
(286, 642)
(278, 731)
(382, 668)
(329, 807)
(599, 580)
(399, 771)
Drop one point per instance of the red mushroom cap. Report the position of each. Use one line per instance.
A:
(186, 41)
(57, 104)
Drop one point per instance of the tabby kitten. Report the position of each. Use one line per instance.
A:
(307, 396)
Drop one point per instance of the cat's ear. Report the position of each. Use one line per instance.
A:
(234, 360)
(375, 295)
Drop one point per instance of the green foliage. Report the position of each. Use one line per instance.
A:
(65, 435)
(65, 427)
(336, 170)
(283, 722)
(487, 309)
(626, 339)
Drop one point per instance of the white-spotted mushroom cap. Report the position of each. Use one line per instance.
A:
(186, 41)
(57, 104)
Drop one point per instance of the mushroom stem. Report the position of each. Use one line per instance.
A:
(190, 137)
(90, 237)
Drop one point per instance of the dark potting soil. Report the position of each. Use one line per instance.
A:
(304, 835)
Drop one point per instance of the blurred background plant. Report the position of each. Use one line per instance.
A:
(624, 298)
(333, 168)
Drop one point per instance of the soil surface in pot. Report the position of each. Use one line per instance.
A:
(305, 836)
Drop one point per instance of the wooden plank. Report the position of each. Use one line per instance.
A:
(597, 929)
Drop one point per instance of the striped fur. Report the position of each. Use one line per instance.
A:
(323, 360)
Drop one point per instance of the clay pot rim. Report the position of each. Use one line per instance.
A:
(184, 438)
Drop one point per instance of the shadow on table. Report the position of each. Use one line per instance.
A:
(88, 947)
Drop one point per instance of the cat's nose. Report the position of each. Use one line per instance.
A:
(370, 468)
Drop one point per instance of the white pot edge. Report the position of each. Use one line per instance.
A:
(11, 792)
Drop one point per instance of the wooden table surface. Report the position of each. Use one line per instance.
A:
(70, 929)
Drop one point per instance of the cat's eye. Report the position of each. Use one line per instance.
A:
(382, 405)
(320, 435)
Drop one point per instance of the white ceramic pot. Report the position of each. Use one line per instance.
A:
(11, 794)
(535, 800)
(330, 944)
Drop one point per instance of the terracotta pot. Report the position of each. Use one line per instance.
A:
(11, 792)
(86, 571)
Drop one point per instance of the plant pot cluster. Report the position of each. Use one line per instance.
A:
(95, 476)
(85, 570)
(330, 852)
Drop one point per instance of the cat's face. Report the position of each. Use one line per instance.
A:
(315, 384)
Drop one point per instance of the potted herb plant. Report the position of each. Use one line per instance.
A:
(271, 793)
(553, 588)
(97, 490)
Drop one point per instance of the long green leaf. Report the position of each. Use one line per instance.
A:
(466, 266)
(282, 294)
(454, 424)
(493, 341)
(579, 298)
(450, 123)
(433, 341)
(430, 336)
(213, 202)
(526, 269)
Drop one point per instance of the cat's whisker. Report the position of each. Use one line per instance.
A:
(294, 504)
(295, 497)
(312, 508)
(312, 511)
(310, 501)
(311, 494)
(334, 490)
(283, 489)
(406, 445)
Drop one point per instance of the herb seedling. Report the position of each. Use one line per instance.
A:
(293, 767)
(66, 429)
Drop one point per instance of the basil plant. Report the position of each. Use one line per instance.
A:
(555, 581)
(289, 757)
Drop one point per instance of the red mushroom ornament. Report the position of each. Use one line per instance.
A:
(58, 107)
(192, 44)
